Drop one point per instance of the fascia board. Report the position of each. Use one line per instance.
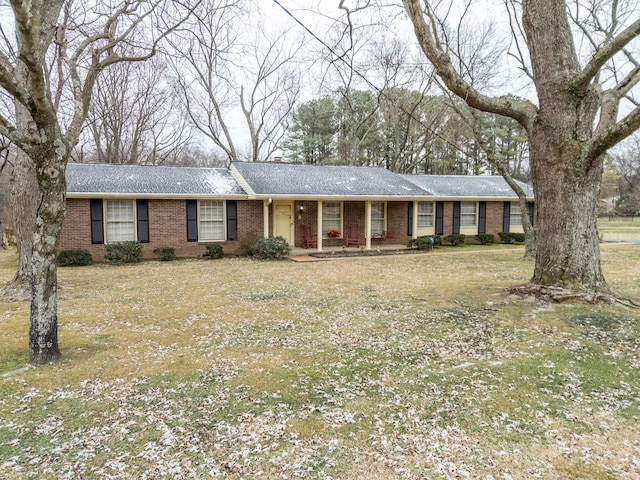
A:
(163, 196)
(251, 195)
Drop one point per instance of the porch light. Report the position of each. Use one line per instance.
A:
(301, 208)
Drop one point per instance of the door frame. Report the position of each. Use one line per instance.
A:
(288, 203)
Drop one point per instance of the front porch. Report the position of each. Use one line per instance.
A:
(329, 226)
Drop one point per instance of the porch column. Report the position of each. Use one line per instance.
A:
(319, 226)
(367, 225)
(265, 217)
(414, 220)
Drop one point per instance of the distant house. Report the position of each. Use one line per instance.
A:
(187, 208)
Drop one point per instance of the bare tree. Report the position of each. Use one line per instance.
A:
(60, 49)
(576, 119)
(219, 70)
(135, 116)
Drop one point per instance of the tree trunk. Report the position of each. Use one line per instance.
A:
(566, 183)
(568, 253)
(24, 197)
(43, 331)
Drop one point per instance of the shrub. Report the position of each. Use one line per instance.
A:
(505, 237)
(509, 237)
(214, 251)
(74, 258)
(272, 248)
(485, 238)
(125, 252)
(455, 239)
(165, 254)
(424, 242)
(248, 245)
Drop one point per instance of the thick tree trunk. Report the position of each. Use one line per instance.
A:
(43, 331)
(568, 253)
(566, 182)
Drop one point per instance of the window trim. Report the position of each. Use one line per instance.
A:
(384, 217)
(431, 215)
(325, 230)
(467, 215)
(105, 205)
(511, 215)
(224, 221)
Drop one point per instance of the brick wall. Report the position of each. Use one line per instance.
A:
(167, 228)
(397, 223)
(494, 218)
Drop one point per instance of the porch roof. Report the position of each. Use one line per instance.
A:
(286, 179)
(471, 186)
(85, 179)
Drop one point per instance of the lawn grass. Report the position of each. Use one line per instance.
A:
(409, 366)
(616, 229)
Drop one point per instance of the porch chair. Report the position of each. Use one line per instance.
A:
(353, 235)
(308, 240)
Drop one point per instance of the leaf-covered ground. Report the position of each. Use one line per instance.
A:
(406, 367)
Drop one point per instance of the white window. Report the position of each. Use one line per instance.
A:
(120, 221)
(211, 220)
(515, 215)
(467, 214)
(425, 214)
(377, 218)
(331, 218)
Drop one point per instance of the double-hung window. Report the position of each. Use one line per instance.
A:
(120, 221)
(211, 220)
(515, 215)
(331, 218)
(468, 214)
(377, 218)
(425, 214)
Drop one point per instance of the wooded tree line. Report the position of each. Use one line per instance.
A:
(404, 131)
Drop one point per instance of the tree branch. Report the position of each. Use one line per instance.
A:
(612, 135)
(520, 110)
(604, 54)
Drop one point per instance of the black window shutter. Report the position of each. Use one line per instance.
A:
(506, 214)
(482, 217)
(410, 218)
(531, 211)
(192, 220)
(456, 217)
(439, 218)
(97, 227)
(232, 220)
(142, 210)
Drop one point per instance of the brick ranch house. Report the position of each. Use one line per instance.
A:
(187, 208)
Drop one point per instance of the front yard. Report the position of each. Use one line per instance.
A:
(408, 367)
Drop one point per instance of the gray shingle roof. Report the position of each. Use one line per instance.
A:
(456, 186)
(111, 179)
(277, 179)
(324, 181)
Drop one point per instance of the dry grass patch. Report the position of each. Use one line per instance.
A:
(415, 366)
